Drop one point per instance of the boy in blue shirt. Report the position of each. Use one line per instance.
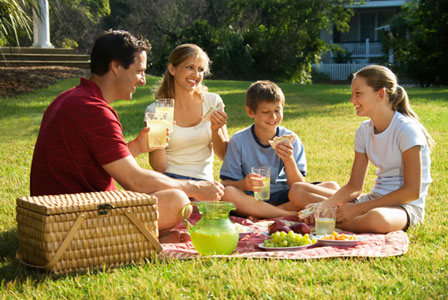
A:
(250, 148)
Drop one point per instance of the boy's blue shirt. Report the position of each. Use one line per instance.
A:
(245, 151)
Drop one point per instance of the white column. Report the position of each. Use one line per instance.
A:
(41, 26)
(367, 48)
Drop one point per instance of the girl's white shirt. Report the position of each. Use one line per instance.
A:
(189, 151)
(384, 150)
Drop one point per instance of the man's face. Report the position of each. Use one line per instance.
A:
(129, 79)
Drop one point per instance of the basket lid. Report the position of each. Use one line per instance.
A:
(70, 203)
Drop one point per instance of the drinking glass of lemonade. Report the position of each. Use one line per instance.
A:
(325, 219)
(265, 173)
(166, 105)
(157, 122)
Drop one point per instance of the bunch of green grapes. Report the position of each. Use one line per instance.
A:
(290, 239)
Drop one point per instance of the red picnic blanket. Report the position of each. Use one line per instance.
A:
(370, 245)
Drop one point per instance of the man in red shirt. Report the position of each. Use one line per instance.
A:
(80, 147)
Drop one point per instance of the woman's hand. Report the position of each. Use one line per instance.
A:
(253, 182)
(218, 119)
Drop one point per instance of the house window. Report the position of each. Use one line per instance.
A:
(367, 28)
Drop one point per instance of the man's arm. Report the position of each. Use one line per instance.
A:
(132, 177)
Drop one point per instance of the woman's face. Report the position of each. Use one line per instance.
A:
(188, 74)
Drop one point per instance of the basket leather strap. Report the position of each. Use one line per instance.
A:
(68, 238)
(148, 235)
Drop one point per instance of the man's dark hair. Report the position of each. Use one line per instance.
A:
(118, 45)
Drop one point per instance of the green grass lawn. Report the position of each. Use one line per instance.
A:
(325, 120)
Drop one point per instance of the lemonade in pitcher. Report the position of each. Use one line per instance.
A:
(214, 233)
(209, 243)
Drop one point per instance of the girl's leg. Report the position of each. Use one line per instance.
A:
(248, 206)
(377, 220)
(301, 194)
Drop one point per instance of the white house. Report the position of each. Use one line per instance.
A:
(361, 43)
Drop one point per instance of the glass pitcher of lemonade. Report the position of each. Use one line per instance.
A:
(214, 233)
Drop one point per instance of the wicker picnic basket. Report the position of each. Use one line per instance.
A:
(63, 233)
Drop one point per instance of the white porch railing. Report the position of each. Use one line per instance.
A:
(362, 50)
(338, 71)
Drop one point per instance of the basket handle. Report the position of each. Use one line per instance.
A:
(68, 238)
(148, 235)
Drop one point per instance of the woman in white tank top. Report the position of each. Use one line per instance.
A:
(200, 121)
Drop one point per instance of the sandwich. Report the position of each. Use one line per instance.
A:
(287, 138)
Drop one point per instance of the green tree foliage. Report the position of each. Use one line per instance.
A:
(14, 20)
(245, 39)
(76, 22)
(283, 36)
(419, 39)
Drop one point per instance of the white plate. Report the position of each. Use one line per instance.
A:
(294, 248)
(243, 234)
(323, 242)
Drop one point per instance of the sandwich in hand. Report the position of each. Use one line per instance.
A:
(287, 138)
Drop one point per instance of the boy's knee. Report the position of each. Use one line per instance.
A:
(230, 191)
(333, 185)
(297, 190)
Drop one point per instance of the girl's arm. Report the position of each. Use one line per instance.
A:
(353, 188)
(285, 152)
(220, 137)
(158, 160)
(409, 191)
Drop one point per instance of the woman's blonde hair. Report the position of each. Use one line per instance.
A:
(178, 56)
(379, 77)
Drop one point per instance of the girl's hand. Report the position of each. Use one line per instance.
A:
(285, 152)
(253, 182)
(347, 212)
(309, 219)
(218, 119)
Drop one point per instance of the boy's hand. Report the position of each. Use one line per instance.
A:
(218, 119)
(253, 182)
(285, 152)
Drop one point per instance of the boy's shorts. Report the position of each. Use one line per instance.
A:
(277, 198)
(415, 214)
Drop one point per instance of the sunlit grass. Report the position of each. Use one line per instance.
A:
(325, 121)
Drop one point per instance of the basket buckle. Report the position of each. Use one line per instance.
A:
(103, 209)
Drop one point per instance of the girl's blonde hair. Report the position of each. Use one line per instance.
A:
(379, 77)
(178, 56)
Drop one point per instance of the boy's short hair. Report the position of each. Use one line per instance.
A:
(263, 91)
(116, 45)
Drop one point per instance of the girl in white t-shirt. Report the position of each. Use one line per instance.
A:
(398, 145)
(197, 136)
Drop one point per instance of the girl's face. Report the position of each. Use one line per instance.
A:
(364, 98)
(188, 74)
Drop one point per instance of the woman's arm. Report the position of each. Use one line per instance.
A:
(220, 137)
(158, 160)
(354, 187)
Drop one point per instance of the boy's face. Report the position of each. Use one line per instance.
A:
(267, 116)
